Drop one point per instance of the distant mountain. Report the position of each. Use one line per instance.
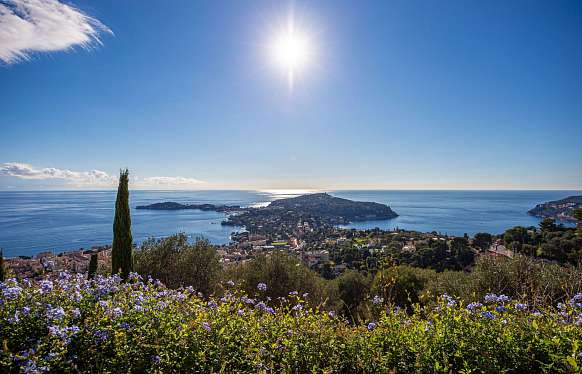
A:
(560, 209)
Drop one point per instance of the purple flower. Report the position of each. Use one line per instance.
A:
(331, 314)
(230, 283)
(117, 312)
(124, 325)
(450, 301)
(261, 287)
(503, 298)
(377, 300)
(298, 307)
(501, 309)
(11, 293)
(212, 304)
(240, 312)
(55, 313)
(101, 336)
(206, 326)
(491, 298)
(371, 326)
(488, 315)
(46, 286)
(521, 307)
(474, 306)
(292, 293)
(156, 360)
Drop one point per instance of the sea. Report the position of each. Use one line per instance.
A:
(57, 221)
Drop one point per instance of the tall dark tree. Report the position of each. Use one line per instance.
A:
(2, 271)
(92, 266)
(578, 216)
(121, 253)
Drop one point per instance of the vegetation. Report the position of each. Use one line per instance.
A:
(177, 263)
(106, 325)
(2, 269)
(121, 254)
(92, 266)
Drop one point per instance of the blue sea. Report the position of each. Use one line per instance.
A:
(32, 222)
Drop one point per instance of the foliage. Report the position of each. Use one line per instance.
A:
(283, 274)
(2, 269)
(92, 266)
(121, 254)
(176, 262)
(71, 324)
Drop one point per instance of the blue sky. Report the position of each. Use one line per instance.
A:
(399, 94)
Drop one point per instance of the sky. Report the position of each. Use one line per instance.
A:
(393, 95)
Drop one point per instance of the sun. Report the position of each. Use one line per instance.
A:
(291, 50)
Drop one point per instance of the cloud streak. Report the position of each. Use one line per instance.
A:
(28, 26)
(92, 178)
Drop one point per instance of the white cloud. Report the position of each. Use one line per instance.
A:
(27, 171)
(92, 178)
(28, 26)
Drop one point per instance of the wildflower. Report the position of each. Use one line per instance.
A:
(521, 307)
(156, 360)
(11, 293)
(371, 326)
(261, 287)
(561, 306)
(103, 304)
(101, 336)
(501, 309)
(25, 310)
(206, 326)
(474, 306)
(240, 312)
(450, 301)
(491, 298)
(293, 293)
(305, 295)
(503, 298)
(55, 313)
(212, 304)
(298, 307)
(124, 325)
(377, 300)
(46, 286)
(331, 314)
(488, 315)
(117, 312)
(230, 283)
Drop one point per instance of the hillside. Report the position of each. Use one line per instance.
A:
(559, 209)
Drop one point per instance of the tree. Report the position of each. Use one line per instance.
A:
(92, 266)
(578, 216)
(548, 225)
(2, 271)
(482, 240)
(121, 253)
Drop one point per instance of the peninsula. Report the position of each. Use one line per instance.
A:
(316, 210)
(561, 210)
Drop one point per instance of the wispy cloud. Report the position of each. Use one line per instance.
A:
(174, 182)
(28, 26)
(92, 178)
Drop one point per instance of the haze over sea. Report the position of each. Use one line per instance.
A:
(32, 221)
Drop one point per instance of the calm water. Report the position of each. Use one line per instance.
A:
(32, 222)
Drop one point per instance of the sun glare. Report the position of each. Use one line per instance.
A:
(291, 51)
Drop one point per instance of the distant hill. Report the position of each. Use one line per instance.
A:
(559, 209)
(170, 205)
(324, 205)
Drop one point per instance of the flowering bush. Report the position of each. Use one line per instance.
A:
(106, 325)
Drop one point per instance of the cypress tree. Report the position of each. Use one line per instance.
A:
(121, 252)
(92, 266)
(2, 271)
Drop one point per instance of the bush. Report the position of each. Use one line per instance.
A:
(177, 263)
(105, 325)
